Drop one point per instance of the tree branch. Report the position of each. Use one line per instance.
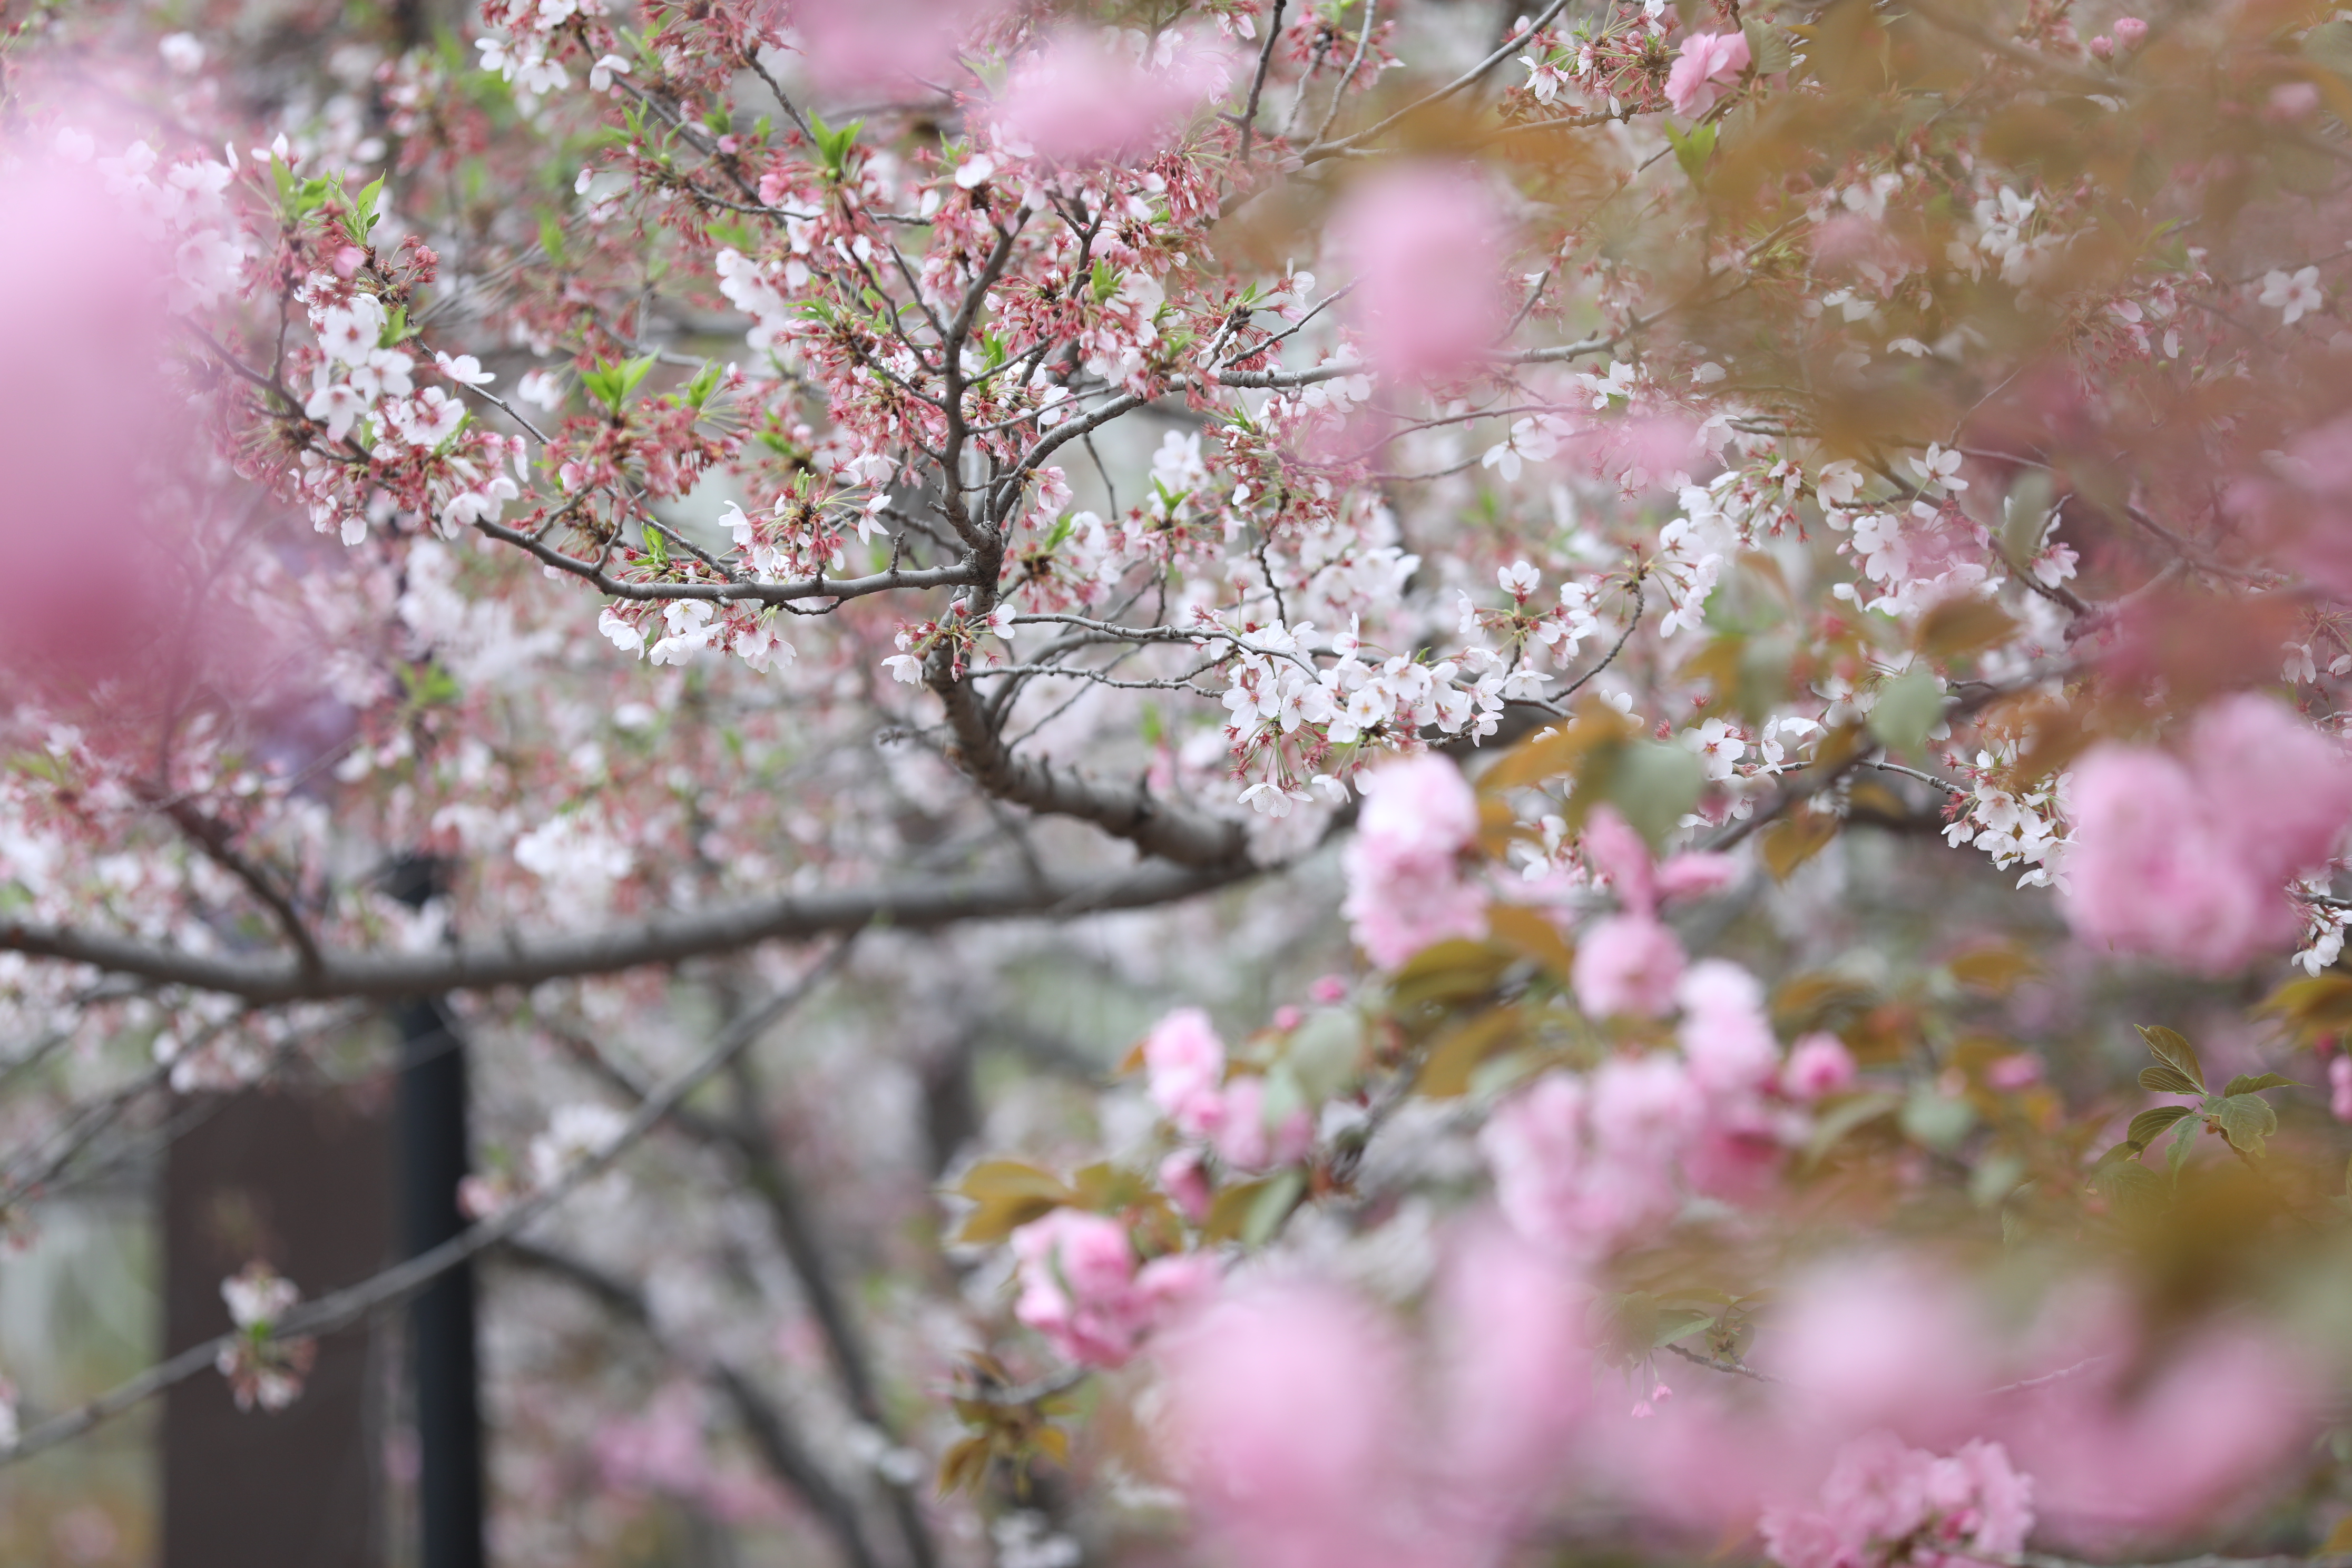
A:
(663, 939)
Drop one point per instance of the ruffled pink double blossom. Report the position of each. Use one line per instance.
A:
(1629, 963)
(1086, 100)
(2186, 858)
(1405, 883)
(1426, 245)
(1582, 1165)
(1185, 1063)
(1709, 63)
(1080, 1287)
(1970, 1506)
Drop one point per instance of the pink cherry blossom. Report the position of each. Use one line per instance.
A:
(1818, 1064)
(2339, 1088)
(1084, 99)
(1887, 1503)
(1186, 1184)
(1243, 1138)
(1081, 1289)
(2116, 1458)
(1406, 886)
(1627, 963)
(1707, 62)
(1517, 1369)
(2186, 860)
(1288, 1413)
(1186, 1063)
(1725, 1034)
(1426, 245)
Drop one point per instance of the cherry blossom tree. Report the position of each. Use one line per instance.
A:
(1245, 781)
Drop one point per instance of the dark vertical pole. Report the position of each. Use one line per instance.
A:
(430, 1119)
(300, 1181)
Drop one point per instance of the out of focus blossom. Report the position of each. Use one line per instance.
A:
(1426, 245)
(1081, 1289)
(2187, 859)
(1085, 98)
(1406, 882)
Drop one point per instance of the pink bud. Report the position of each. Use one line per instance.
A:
(1286, 1017)
(1327, 989)
(2130, 32)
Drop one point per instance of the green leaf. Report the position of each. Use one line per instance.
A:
(1272, 1205)
(2135, 1190)
(656, 549)
(1847, 1115)
(2330, 44)
(1653, 784)
(1938, 1121)
(1908, 707)
(2246, 1083)
(1678, 1323)
(1692, 148)
(1767, 47)
(2170, 1047)
(2166, 1080)
(1327, 1052)
(2150, 1125)
(2184, 1138)
(706, 381)
(2246, 1120)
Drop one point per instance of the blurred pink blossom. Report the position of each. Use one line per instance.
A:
(862, 44)
(1080, 1287)
(1244, 1138)
(1186, 1064)
(1089, 99)
(1405, 883)
(1818, 1064)
(1426, 242)
(1517, 1369)
(1884, 1503)
(2115, 1458)
(1287, 1428)
(1708, 61)
(2186, 860)
(1627, 963)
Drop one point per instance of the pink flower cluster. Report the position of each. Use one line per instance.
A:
(1405, 883)
(1081, 1289)
(1583, 1164)
(2185, 856)
(1427, 246)
(1294, 1427)
(1629, 963)
(1887, 1503)
(1709, 62)
(1185, 1062)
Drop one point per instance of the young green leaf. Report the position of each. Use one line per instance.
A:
(2166, 1080)
(2170, 1047)
(2246, 1120)
(2246, 1083)
(2149, 1125)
